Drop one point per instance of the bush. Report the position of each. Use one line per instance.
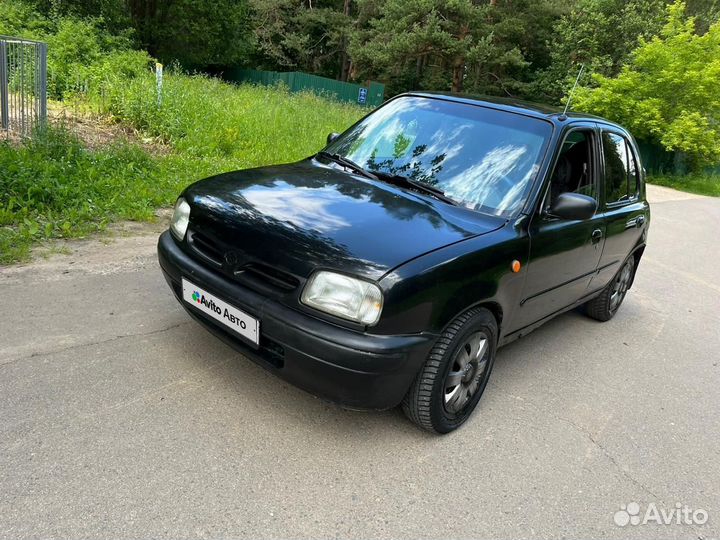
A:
(82, 58)
(53, 187)
(19, 19)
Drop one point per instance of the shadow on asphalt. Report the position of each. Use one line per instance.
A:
(262, 389)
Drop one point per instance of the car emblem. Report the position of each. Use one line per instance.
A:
(232, 258)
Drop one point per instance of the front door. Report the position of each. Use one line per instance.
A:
(564, 254)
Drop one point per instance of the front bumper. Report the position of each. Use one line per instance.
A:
(353, 369)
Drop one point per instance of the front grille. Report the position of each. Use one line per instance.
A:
(270, 275)
(258, 276)
(206, 248)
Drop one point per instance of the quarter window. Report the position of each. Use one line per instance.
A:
(621, 170)
(633, 176)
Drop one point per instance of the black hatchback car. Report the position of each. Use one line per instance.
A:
(388, 268)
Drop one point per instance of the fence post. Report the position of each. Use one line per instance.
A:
(159, 80)
(4, 112)
(43, 82)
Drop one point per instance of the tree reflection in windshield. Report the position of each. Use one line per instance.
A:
(413, 168)
(483, 158)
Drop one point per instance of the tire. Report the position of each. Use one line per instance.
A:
(605, 306)
(464, 354)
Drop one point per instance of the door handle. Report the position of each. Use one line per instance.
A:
(597, 235)
(639, 221)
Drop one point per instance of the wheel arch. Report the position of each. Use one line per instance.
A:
(492, 306)
(637, 254)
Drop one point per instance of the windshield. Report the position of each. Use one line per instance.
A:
(481, 158)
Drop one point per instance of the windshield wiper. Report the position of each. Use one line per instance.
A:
(345, 162)
(404, 181)
(397, 179)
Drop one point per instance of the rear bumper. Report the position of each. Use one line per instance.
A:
(344, 366)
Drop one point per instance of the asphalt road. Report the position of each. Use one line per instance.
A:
(122, 418)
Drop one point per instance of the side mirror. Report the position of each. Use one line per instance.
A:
(332, 137)
(573, 206)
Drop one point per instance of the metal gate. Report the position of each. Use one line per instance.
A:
(23, 85)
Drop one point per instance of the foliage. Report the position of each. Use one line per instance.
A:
(600, 34)
(21, 19)
(80, 54)
(194, 34)
(702, 184)
(289, 36)
(254, 125)
(449, 44)
(667, 93)
(50, 187)
(519, 48)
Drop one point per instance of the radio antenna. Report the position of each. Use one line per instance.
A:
(570, 96)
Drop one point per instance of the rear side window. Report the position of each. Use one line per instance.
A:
(621, 169)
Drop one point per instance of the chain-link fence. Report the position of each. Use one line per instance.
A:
(23, 85)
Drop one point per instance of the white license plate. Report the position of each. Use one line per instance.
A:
(230, 316)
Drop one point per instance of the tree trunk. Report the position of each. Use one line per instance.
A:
(344, 56)
(458, 74)
(146, 16)
(458, 65)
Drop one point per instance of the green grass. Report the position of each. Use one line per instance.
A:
(244, 126)
(53, 187)
(700, 184)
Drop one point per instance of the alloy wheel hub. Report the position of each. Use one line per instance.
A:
(467, 371)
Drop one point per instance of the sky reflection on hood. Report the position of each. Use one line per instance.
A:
(301, 207)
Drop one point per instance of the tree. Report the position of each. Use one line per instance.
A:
(308, 36)
(600, 34)
(706, 12)
(446, 44)
(22, 20)
(667, 93)
(195, 34)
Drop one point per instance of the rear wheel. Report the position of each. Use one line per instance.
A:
(454, 376)
(604, 307)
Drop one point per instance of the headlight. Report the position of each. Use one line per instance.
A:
(344, 296)
(180, 219)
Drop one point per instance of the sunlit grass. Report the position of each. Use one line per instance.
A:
(700, 184)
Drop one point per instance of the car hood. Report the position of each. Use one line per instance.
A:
(307, 215)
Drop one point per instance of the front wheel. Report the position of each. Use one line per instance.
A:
(604, 307)
(454, 376)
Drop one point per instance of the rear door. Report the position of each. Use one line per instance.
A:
(624, 209)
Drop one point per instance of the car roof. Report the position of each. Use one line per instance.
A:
(546, 112)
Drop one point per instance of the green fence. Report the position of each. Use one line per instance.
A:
(371, 95)
(659, 161)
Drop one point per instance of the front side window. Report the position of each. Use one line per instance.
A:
(483, 159)
(621, 170)
(573, 171)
